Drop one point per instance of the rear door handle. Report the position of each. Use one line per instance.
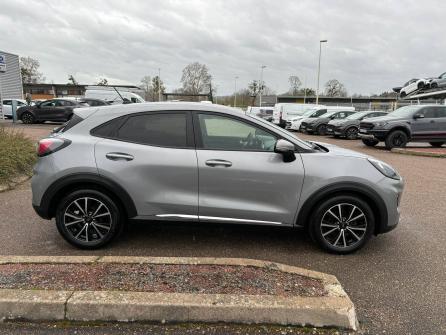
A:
(218, 162)
(114, 156)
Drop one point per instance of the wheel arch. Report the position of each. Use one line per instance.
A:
(59, 188)
(402, 128)
(366, 193)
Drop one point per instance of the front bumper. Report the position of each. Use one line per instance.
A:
(391, 193)
(372, 134)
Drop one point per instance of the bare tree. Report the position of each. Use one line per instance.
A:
(294, 84)
(196, 78)
(157, 88)
(29, 68)
(71, 80)
(333, 88)
(146, 86)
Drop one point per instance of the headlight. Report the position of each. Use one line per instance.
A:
(385, 169)
(380, 124)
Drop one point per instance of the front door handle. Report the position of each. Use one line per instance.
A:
(218, 162)
(114, 156)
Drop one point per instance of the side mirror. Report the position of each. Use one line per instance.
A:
(418, 116)
(286, 149)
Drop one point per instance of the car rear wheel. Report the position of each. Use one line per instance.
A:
(342, 224)
(351, 133)
(370, 143)
(402, 94)
(28, 118)
(88, 219)
(396, 139)
(437, 144)
(322, 129)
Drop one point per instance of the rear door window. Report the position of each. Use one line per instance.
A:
(163, 129)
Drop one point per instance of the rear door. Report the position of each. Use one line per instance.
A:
(241, 178)
(152, 156)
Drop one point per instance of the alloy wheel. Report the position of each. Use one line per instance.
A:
(343, 225)
(87, 219)
(27, 118)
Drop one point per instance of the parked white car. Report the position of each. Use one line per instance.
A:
(284, 112)
(7, 106)
(111, 95)
(295, 123)
(412, 86)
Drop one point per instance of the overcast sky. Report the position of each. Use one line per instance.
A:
(372, 45)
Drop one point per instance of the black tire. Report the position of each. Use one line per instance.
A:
(434, 85)
(322, 129)
(91, 238)
(28, 118)
(402, 94)
(420, 86)
(322, 222)
(396, 139)
(370, 143)
(351, 133)
(436, 144)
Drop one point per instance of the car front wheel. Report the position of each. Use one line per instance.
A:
(436, 144)
(370, 143)
(342, 224)
(351, 133)
(28, 118)
(322, 129)
(88, 219)
(396, 139)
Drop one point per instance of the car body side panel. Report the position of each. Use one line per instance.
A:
(160, 180)
(360, 171)
(258, 186)
(78, 157)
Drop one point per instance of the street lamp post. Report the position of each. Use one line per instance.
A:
(261, 84)
(159, 84)
(235, 91)
(319, 70)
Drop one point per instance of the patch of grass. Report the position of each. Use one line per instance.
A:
(17, 155)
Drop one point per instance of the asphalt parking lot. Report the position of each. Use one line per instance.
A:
(397, 282)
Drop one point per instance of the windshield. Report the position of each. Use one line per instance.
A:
(356, 116)
(404, 111)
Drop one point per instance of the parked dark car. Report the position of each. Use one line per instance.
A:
(319, 124)
(349, 127)
(414, 123)
(94, 102)
(59, 110)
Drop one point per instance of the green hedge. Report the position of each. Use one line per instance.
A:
(17, 155)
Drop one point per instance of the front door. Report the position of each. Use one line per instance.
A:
(152, 156)
(425, 127)
(241, 178)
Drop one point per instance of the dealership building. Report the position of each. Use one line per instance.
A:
(10, 77)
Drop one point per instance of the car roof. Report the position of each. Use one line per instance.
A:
(124, 109)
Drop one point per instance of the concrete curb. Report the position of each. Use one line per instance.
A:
(417, 153)
(334, 310)
(16, 182)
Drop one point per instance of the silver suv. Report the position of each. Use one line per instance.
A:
(206, 163)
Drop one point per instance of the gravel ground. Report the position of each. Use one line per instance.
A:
(397, 281)
(207, 279)
(25, 328)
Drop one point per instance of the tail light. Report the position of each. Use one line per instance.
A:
(47, 146)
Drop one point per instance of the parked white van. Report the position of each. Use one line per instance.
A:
(294, 124)
(284, 112)
(110, 95)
